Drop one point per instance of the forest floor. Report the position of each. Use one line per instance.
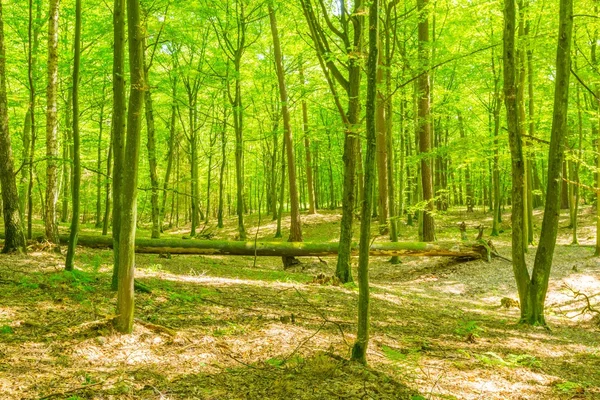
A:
(246, 329)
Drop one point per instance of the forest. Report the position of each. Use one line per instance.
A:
(311, 199)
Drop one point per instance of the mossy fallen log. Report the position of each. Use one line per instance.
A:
(467, 250)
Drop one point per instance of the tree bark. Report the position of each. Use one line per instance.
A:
(124, 320)
(99, 163)
(382, 153)
(461, 250)
(312, 209)
(425, 122)
(172, 137)
(517, 161)
(295, 223)
(33, 43)
(50, 218)
(220, 210)
(151, 147)
(13, 228)
(373, 115)
(118, 128)
(534, 308)
(70, 261)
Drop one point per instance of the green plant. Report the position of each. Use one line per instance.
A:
(27, 283)
(6, 330)
(465, 328)
(393, 354)
(569, 387)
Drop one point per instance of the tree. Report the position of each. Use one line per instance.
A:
(118, 129)
(128, 211)
(425, 122)
(532, 289)
(50, 219)
(234, 45)
(295, 223)
(13, 229)
(310, 186)
(359, 350)
(69, 264)
(352, 39)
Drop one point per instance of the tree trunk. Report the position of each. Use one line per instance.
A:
(309, 171)
(223, 164)
(33, 44)
(533, 309)
(577, 164)
(518, 167)
(107, 205)
(50, 218)
(460, 250)
(70, 261)
(238, 123)
(124, 320)
(373, 115)
(99, 164)
(393, 225)
(282, 191)
(151, 146)
(13, 228)
(118, 128)
(468, 182)
(295, 223)
(172, 138)
(382, 153)
(425, 122)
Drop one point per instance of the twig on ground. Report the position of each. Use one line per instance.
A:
(77, 389)
(156, 328)
(305, 341)
(322, 315)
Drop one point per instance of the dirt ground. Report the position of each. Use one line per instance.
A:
(240, 328)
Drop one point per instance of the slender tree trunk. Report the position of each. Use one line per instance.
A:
(33, 43)
(393, 224)
(70, 261)
(382, 153)
(67, 159)
(107, 198)
(468, 182)
(125, 305)
(278, 233)
(118, 128)
(14, 239)
(359, 350)
(99, 166)
(152, 163)
(238, 123)
(23, 195)
(425, 122)
(351, 148)
(223, 164)
(540, 275)
(172, 138)
(577, 164)
(518, 164)
(50, 218)
(295, 223)
(312, 209)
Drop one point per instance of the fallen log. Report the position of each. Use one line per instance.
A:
(467, 250)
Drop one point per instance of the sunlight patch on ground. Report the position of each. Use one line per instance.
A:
(212, 280)
(451, 287)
